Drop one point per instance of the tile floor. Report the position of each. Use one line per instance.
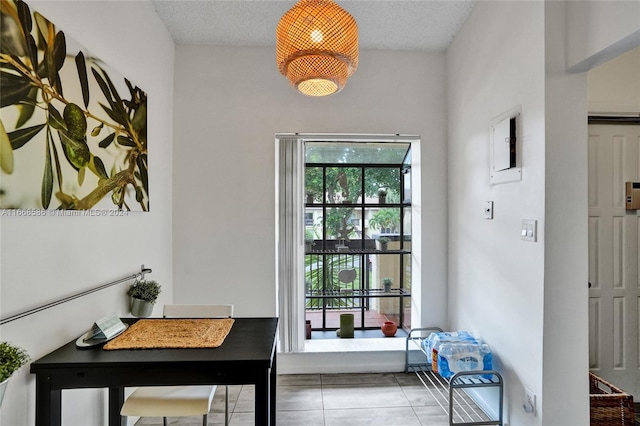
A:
(331, 400)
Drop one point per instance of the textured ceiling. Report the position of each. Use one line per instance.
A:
(427, 25)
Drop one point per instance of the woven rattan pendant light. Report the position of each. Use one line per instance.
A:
(317, 47)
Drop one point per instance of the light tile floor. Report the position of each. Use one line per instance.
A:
(331, 400)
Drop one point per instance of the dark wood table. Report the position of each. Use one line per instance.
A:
(247, 356)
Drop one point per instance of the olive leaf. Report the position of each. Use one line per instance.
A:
(126, 141)
(27, 107)
(107, 141)
(58, 55)
(24, 14)
(14, 88)
(32, 50)
(118, 119)
(21, 136)
(139, 121)
(49, 54)
(115, 110)
(141, 162)
(81, 173)
(6, 151)
(42, 24)
(56, 158)
(97, 167)
(118, 101)
(47, 178)
(60, 50)
(55, 119)
(82, 75)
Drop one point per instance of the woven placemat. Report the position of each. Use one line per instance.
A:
(173, 333)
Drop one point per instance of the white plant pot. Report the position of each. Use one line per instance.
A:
(141, 308)
(3, 388)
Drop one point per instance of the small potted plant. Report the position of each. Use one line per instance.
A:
(386, 282)
(382, 195)
(11, 359)
(384, 242)
(143, 296)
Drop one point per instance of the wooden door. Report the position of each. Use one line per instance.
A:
(614, 158)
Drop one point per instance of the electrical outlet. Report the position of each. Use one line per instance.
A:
(488, 209)
(529, 403)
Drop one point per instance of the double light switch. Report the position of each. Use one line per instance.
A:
(529, 230)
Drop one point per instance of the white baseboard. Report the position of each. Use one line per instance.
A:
(341, 362)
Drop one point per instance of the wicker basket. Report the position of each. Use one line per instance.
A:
(610, 406)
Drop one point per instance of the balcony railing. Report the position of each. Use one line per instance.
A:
(370, 306)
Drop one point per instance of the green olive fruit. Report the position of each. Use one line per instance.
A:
(76, 121)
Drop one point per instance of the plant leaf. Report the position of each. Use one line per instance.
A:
(32, 50)
(81, 65)
(96, 130)
(56, 159)
(24, 13)
(55, 119)
(97, 166)
(118, 101)
(21, 136)
(27, 107)
(115, 117)
(6, 151)
(59, 50)
(139, 121)
(58, 84)
(103, 86)
(107, 141)
(141, 161)
(49, 54)
(81, 173)
(13, 88)
(47, 179)
(42, 24)
(126, 141)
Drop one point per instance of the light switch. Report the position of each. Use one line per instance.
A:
(529, 231)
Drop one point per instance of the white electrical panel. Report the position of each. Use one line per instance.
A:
(505, 147)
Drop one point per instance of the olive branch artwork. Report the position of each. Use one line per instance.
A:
(77, 135)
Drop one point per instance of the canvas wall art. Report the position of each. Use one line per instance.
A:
(73, 132)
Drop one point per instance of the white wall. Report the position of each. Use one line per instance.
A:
(528, 300)
(614, 87)
(229, 104)
(44, 259)
(598, 31)
(566, 258)
(496, 280)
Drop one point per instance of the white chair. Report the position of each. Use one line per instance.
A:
(179, 401)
